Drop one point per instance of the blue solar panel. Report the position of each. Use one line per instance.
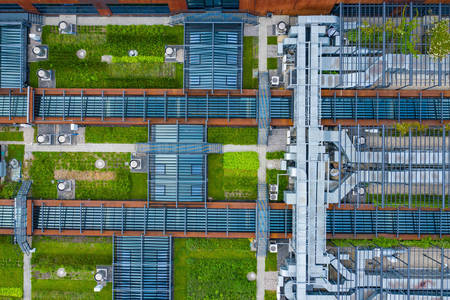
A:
(57, 9)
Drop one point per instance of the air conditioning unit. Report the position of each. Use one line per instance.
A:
(361, 191)
(136, 164)
(273, 197)
(44, 75)
(170, 52)
(40, 51)
(64, 139)
(44, 139)
(359, 140)
(282, 28)
(273, 188)
(275, 81)
(66, 28)
(273, 247)
(64, 186)
(101, 274)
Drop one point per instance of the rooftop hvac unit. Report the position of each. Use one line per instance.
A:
(273, 247)
(273, 197)
(64, 186)
(45, 75)
(66, 28)
(359, 191)
(136, 164)
(64, 139)
(359, 140)
(273, 188)
(170, 52)
(40, 51)
(282, 28)
(275, 81)
(101, 274)
(44, 139)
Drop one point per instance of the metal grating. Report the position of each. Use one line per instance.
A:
(397, 108)
(387, 45)
(389, 167)
(13, 60)
(213, 56)
(187, 107)
(156, 219)
(142, 267)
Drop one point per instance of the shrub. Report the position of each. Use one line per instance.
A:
(439, 40)
(11, 292)
(241, 161)
(137, 59)
(130, 135)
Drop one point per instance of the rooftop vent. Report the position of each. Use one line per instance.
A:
(275, 81)
(64, 186)
(282, 28)
(171, 52)
(273, 247)
(44, 74)
(44, 139)
(39, 51)
(66, 28)
(135, 164)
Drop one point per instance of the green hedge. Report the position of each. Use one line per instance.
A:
(120, 135)
(137, 59)
(11, 266)
(275, 155)
(272, 40)
(383, 242)
(270, 295)
(241, 161)
(271, 262)
(234, 136)
(272, 63)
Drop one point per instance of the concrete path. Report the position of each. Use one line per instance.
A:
(262, 46)
(240, 148)
(261, 260)
(271, 280)
(12, 143)
(27, 277)
(28, 135)
(81, 148)
(114, 20)
(260, 286)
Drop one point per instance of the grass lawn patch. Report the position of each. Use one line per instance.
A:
(241, 161)
(144, 71)
(120, 135)
(213, 269)
(11, 269)
(271, 262)
(10, 134)
(272, 63)
(275, 155)
(271, 178)
(79, 257)
(233, 136)
(250, 62)
(270, 295)
(138, 186)
(272, 40)
(16, 151)
(231, 184)
(120, 187)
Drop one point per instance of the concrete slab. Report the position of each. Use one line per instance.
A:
(251, 30)
(270, 281)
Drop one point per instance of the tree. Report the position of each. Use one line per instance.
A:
(439, 40)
